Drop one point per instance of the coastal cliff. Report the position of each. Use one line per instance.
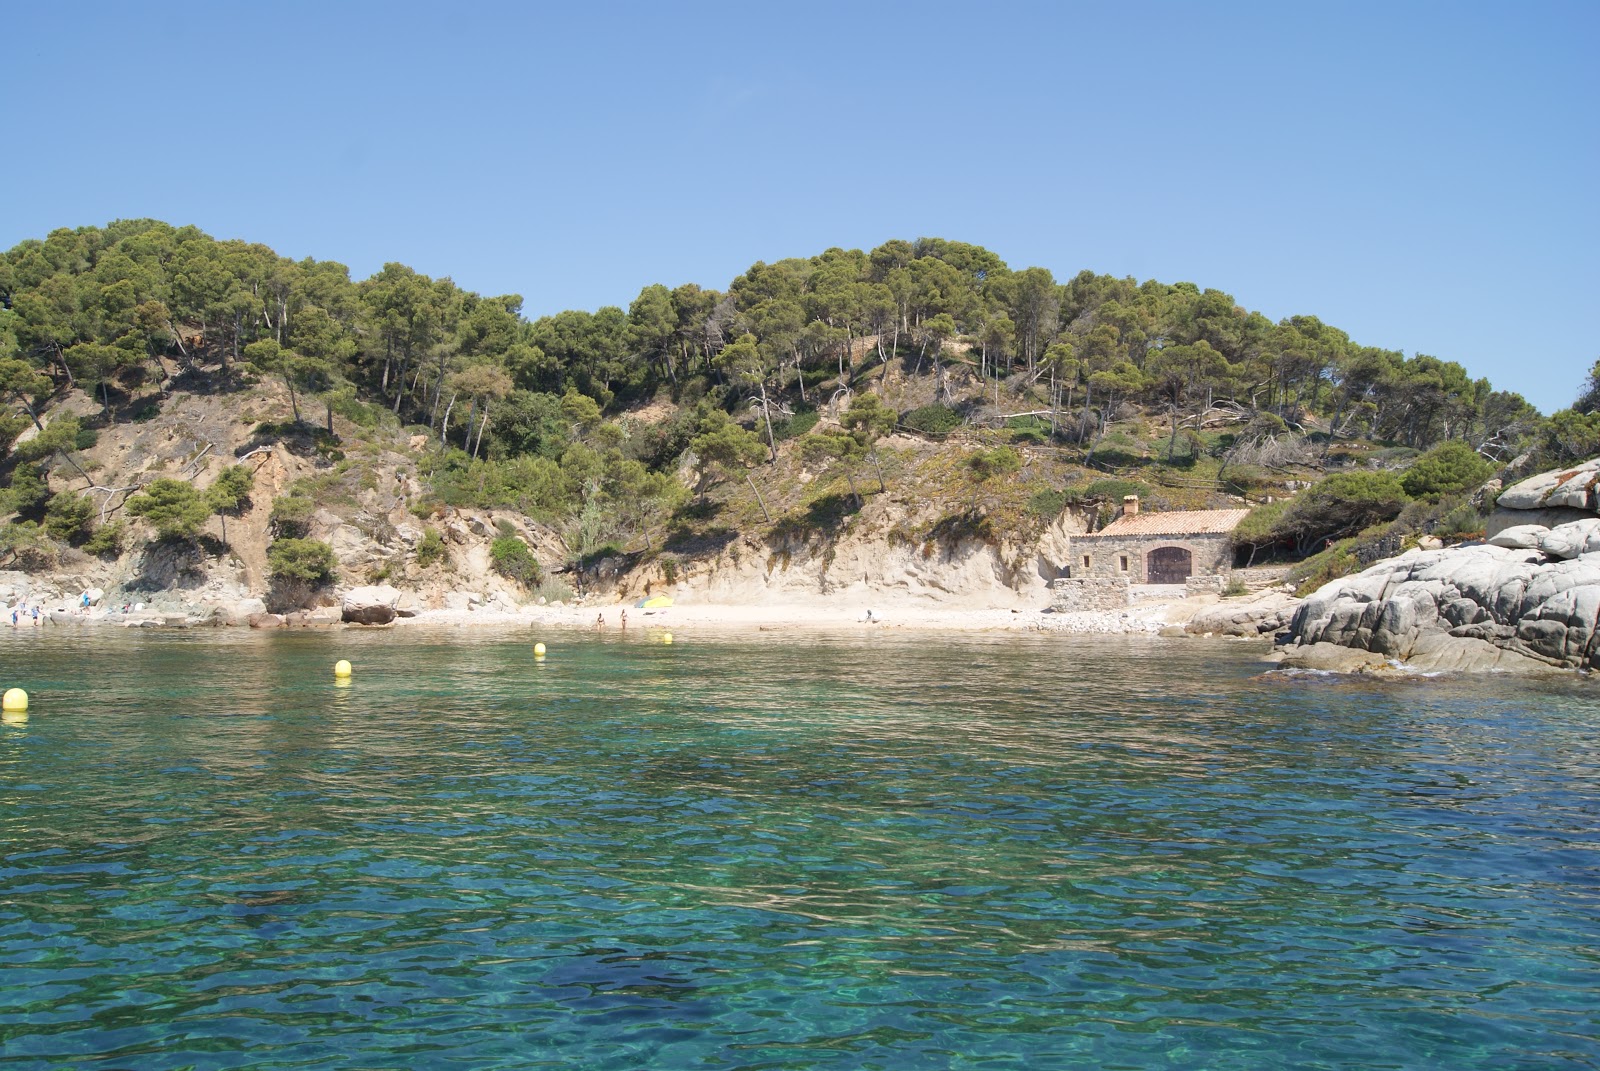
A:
(371, 506)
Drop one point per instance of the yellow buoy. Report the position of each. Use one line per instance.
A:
(341, 668)
(538, 650)
(666, 637)
(15, 701)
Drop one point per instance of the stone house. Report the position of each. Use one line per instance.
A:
(1157, 548)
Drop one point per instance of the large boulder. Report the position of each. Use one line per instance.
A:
(1550, 499)
(1571, 488)
(370, 605)
(319, 617)
(1468, 608)
(1519, 537)
(238, 611)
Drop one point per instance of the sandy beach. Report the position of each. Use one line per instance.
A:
(1145, 616)
(1153, 610)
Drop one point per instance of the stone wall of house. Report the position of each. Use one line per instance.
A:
(1069, 594)
(1211, 554)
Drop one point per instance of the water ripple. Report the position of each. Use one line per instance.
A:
(1007, 851)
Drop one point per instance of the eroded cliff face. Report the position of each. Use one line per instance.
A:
(1529, 598)
(867, 563)
(892, 550)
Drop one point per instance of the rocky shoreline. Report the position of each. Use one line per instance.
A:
(1525, 601)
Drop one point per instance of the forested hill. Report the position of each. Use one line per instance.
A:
(112, 309)
(597, 414)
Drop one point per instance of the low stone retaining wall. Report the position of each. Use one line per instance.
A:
(1069, 594)
(1204, 585)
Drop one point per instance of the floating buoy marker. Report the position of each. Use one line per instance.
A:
(666, 637)
(538, 650)
(341, 668)
(15, 701)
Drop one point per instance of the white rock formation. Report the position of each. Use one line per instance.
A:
(1529, 598)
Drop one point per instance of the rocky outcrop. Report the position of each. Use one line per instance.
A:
(1572, 488)
(371, 605)
(1550, 499)
(1265, 614)
(1529, 598)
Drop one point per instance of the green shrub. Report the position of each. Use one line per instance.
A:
(1047, 504)
(1115, 490)
(1463, 522)
(173, 507)
(309, 560)
(932, 420)
(291, 516)
(1234, 588)
(1343, 504)
(998, 461)
(795, 426)
(1262, 525)
(67, 516)
(1449, 468)
(11, 425)
(430, 549)
(511, 558)
(106, 540)
(1028, 429)
(230, 491)
(27, 493)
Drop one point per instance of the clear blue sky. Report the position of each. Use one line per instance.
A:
(1422, 175)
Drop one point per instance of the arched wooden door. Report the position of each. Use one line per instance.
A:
(1168, 565)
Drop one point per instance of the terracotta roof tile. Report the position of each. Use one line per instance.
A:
(1176, 522)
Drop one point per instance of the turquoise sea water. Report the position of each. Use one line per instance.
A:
(785, 852)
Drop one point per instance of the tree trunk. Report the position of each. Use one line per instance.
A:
(444, 425)
(766, 412)
(472, 421)
(482, 424)
(759, 499)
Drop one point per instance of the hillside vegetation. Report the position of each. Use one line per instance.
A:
(922, 394)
